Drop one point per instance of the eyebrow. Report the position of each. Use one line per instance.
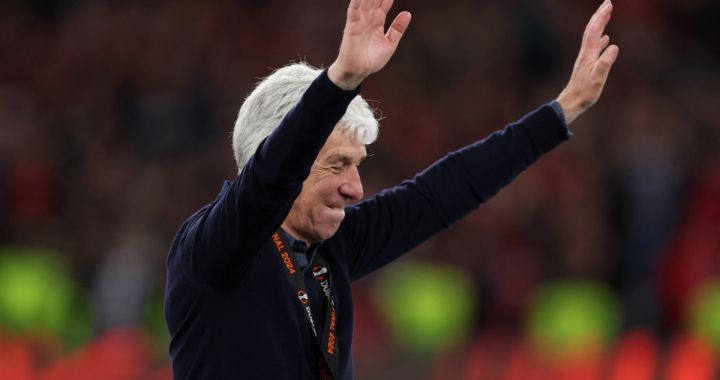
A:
(342, 157)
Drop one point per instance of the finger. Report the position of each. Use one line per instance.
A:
(603, 18)
(354, 12)
(398, 27)
(604, 41)
(606, 61)
(386, 5)
(592, 44)
(364, 4)
(599, 20)
(353, 15)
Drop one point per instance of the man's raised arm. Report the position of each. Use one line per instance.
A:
(223, 238)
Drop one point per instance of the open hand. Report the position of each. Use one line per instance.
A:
(591, 67)
(366, 47)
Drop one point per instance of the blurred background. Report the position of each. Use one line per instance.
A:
(600, 262)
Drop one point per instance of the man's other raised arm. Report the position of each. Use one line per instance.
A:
(396, 220)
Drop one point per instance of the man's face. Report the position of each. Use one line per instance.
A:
(333, 183)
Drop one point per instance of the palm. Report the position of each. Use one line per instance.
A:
(366, 48)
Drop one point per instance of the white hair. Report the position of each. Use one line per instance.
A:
(275, 95)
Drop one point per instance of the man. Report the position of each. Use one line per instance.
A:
(259, 280)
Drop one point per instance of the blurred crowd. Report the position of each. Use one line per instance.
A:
(115, 123)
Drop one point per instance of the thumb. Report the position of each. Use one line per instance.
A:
(398, 27)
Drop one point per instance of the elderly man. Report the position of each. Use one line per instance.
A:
(259, 281)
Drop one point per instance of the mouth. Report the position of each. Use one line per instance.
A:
(339, 211)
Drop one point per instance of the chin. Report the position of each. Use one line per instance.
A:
(327, 234)
(327, 231)
(328, 224)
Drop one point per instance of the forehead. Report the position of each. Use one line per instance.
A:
(339, 146)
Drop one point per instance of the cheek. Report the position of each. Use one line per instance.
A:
(309, 202)
(316, 194)
(303, 206)
(324, 191)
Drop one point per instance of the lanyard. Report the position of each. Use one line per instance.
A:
(321, 272)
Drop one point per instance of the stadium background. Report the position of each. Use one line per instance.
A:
(601, 262)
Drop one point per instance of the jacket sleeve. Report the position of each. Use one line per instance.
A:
(221, 240)
(381, 228)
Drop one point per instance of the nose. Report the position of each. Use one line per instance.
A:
(351, 189)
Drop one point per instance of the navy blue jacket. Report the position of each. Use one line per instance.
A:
(230, 307)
